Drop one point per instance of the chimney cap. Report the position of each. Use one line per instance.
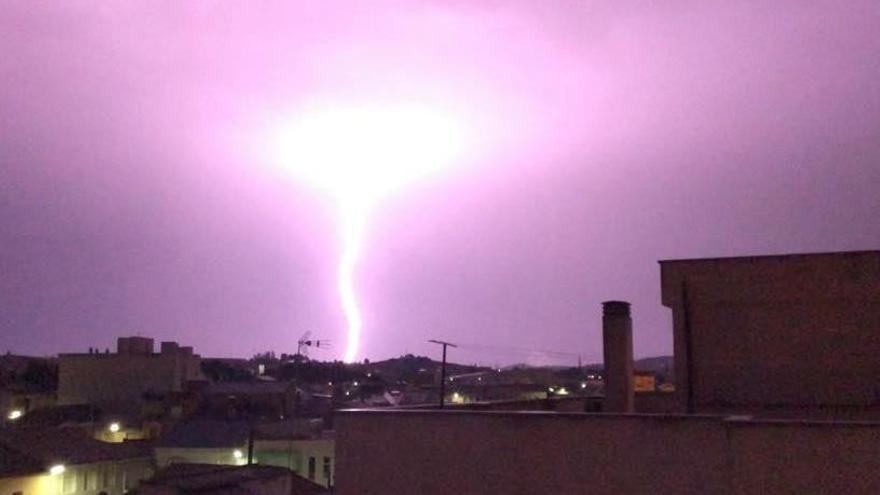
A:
(615, 308)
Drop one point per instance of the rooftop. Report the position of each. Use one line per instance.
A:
(210, 478)
(248, 388)
(206, 434)
(40, 448)
(767, 257)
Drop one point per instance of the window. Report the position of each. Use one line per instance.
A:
(327, 469)
(311, 468)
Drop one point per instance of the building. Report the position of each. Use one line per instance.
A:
(776, 392)
(297, 445)
(308, 452)
(268, 400)
(790, 335)
(204, 441)
(69, 461)
(18, 401)
(209, 479)
(123, 381)
(26, 384)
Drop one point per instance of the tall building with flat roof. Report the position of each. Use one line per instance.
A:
(119, 381)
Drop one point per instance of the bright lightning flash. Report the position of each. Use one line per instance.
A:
(361, 153)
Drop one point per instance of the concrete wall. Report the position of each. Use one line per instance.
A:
(432, 452)
(776, 331)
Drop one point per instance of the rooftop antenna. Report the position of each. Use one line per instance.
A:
(304, 342)
(443, 369)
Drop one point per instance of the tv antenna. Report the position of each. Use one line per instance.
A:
(304, 342)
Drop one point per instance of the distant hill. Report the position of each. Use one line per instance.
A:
(409, 366)
(659, 364)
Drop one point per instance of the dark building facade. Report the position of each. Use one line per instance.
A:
(795, 334)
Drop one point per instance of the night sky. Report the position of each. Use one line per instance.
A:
(137, 194)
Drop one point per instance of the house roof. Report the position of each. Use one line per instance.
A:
(226, 480)
(34, 450)
(205, 434)
(56, 416)
(288, 430)
(771, 257)
(247, 388)
(14, 462)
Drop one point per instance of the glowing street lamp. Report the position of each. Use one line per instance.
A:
(361, 153)
(14, 414)
(114, 427)
(57, 469)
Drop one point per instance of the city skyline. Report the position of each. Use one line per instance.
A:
(138, 197)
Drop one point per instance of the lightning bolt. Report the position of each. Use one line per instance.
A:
(353, 220)
(361, 153)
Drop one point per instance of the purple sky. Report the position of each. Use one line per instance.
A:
(134, 197)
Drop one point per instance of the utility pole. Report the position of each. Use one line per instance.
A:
(443, 369)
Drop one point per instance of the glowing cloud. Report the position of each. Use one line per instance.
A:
(359, 154)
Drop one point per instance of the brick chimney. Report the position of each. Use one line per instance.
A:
(618, 353)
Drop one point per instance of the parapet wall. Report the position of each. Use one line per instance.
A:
(440, 452)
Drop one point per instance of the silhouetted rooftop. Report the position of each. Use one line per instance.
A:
(210, 478)
(772, 256)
